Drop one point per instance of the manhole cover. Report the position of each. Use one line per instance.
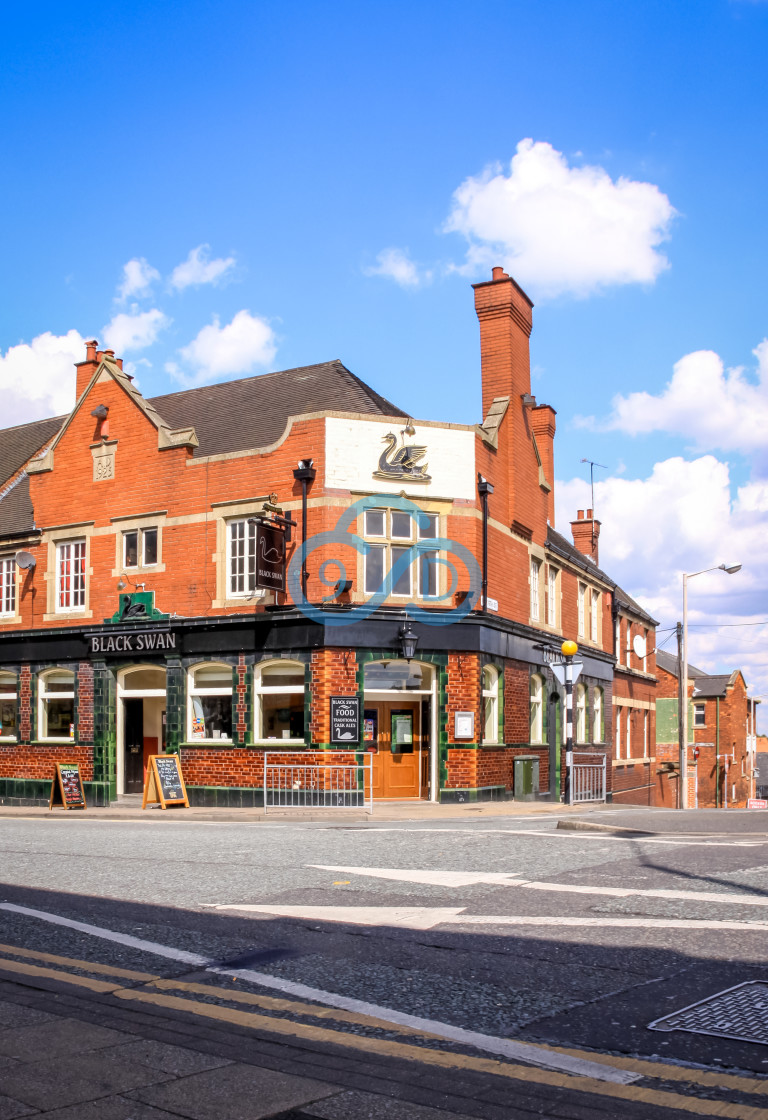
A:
(740, 1012)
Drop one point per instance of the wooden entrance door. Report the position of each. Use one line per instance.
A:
(133, 746)
(392, 733)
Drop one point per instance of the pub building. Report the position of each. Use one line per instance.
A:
(291, 564)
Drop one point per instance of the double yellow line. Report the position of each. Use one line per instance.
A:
(152, 989)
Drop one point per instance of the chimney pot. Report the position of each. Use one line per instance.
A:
(119, 363)
(90, 350)
(99, 355)
(589, 515)
(580, 515)
(109, 354)
(498, 273)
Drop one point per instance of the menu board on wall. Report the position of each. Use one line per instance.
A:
(345, 720)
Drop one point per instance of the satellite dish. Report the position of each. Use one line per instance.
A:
(638, 645)
(25, 560)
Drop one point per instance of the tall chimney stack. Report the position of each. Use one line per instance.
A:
(504, 311)
(586, 533)
(86, 369)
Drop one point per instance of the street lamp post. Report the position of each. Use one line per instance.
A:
(731, 569)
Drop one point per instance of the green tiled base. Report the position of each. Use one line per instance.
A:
(484, 793)
(225, 797)
(31, 791)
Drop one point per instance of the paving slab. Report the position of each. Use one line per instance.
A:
(14, 1015)
(110, 1108)
(57, 1038)
(75, 1079)
(236, 1092)
(356, 1105)
(163, 1056)
(10, 1109)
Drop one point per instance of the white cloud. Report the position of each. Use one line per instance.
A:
(559, 229)
(396, 265)
(198, 269)
(138, 278)
(237, 347)
(684, 518)
(37, 378)
(708, 405)
(134, 331)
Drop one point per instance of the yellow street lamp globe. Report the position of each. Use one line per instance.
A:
(569, 648)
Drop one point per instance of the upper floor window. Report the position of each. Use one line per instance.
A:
(70, 575)
(241, 557)
(535, 592)
(537, 709)
(56, 705)
(645, 649)
(617, 730)
(628, 645)
(140, 547)
(490, 704)
(9, 706)
(389, 567)
(582, 597)
(581, 713)
(279, 695)
(210, 702)
(7, 585)
(628, 732)
(594, 615)
(598, 716)
(552, 596)
(699, 715)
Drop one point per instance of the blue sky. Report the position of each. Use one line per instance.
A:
(314, 151)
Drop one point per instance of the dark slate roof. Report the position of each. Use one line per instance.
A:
(16, 514)
(705, 686)
(668, 662)
(252, 412)
(563, 547)
(19, 444)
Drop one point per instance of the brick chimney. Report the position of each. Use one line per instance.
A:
(504, 311)
(543, 427)
(86, 369)
(586, 533)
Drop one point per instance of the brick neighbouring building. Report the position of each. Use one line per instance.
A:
(721, 727)
(131, 624)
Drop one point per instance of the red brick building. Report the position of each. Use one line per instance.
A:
(131, 620)
(722, 746)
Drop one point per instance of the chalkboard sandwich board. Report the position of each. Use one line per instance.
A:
(67, 787)
(165, 782)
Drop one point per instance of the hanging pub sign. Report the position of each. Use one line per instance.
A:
(345, 720)
(270, 557)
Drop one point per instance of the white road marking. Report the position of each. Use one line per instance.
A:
(435, 878)
(575, 834)
(442, 879)
(424, 918)
(507, 1048)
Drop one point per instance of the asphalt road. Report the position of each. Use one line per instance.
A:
(506, 927)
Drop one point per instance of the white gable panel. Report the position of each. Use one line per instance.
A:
(353, 449)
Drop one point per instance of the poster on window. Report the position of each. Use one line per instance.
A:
(270, 557)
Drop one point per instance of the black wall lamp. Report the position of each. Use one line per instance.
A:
(408, 640)
(124, 580)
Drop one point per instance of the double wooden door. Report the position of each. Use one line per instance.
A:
(392, 733)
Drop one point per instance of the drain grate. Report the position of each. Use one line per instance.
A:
(740, 1012)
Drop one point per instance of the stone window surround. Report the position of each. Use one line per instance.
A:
(224, 513)
(64, 534)
(13, 617)
(130, 522)
(43, 695)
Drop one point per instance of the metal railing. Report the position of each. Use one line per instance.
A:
(318, 784)
(587, 780)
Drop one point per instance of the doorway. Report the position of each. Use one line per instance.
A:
(395, 743)
(140, 724)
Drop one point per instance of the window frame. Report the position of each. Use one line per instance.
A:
(384, 546)
(535, 582)
(552, 596)
(7, 693)
(581, 596)
(8, 577)
(700, 707)
(141, 548)
(537, 699)
(260, 690)
(598, 715)
(43, 696)
(594, 615)
(580, 713)
(248, 558)
(490, 697)
(617, 732)
(76, 544)
(194, 690)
